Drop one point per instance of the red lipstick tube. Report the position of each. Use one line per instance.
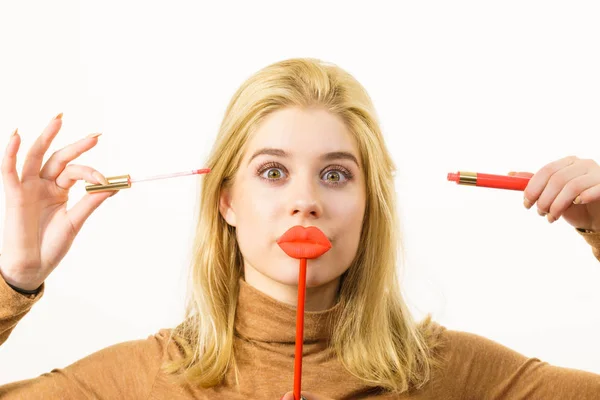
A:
(489, 180)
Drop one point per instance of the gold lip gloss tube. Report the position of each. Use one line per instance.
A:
(114, 183)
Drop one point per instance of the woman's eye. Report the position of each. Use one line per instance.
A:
(334, 176)
(271, 173)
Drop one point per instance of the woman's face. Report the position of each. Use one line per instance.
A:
(310, 176)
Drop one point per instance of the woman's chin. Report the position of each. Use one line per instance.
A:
(289, 274)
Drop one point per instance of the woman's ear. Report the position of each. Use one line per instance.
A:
(225, 207)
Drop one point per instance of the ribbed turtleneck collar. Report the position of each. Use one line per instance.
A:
(262, 318)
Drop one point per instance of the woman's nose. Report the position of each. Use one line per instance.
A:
(305, 198)
(306, 209)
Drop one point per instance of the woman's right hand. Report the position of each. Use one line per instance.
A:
(38, 229)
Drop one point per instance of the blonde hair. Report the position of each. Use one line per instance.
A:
(384, 347)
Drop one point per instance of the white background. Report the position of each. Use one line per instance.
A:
(480, 86)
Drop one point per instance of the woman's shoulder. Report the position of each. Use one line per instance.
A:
(457, 348)
(464, 344)
(126, 369)
(150, 351)
(459, 343)
(461, 352)
(475, 366)
(166, 342)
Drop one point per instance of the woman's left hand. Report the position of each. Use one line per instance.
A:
(568, 188)
(306, 395)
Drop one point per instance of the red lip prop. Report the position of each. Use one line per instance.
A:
(299, 242)
(302, 243)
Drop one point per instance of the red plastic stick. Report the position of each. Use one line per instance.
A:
(302, 243)
(299, 329)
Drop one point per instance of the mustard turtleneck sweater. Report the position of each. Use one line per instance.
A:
(474, 367)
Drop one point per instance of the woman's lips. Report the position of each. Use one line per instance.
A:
(300, 242)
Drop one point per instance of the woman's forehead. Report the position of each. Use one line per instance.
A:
(291, 133)
(300, 122)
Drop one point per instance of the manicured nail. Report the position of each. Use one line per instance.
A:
(98, 176)
(550, 218)
(14, 133)
(93, 135)
(542, 213)
(59, 116)
(511, 173)
(577, 200)
(527, 203)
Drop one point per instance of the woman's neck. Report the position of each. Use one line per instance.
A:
(318, 298)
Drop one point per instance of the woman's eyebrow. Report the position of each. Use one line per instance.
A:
(334, 155)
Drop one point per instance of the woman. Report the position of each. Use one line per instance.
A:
(299, 145)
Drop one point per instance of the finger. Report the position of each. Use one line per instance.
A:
(81, 211)
(588, 196)
(35, 155)
(568, 179)
(10, 177)
(59, 160)
(74, 172)
(539, 180)
(585, 183)
(521, 174)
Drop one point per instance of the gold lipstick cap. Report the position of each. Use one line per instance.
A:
(114, 183)
(467, 178)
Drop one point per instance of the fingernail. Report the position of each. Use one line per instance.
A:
(527, 203)
(116, 191)
(577, 200)
(93, 135)
(542, 213)
(550, 218)
(59, 116)
(511, 173)
(98, 176)
(14, 133)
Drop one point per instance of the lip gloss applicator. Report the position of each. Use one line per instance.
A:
(301, 243)
(125, 181)
(489, 180)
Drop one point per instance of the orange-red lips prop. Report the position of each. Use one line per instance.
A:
(300, 242)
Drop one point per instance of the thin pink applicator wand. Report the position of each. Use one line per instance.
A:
(125, 181)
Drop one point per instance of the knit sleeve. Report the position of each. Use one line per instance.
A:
(14, 306)
(479, 368)
(593, 239)
(123, 371)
